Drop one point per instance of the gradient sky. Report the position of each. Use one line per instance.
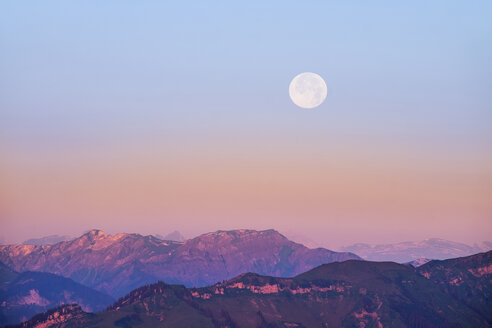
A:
(152, 116)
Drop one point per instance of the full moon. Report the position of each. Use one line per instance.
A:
(308, 90)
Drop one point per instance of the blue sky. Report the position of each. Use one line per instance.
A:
(422, 65)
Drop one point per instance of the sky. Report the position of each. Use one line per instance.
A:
(154, 116)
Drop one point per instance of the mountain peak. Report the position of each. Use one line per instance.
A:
(96, 233)
(115, 264)
(419, 262)
(174, 236)
(97, 239)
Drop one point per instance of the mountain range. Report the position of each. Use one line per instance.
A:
(117, 264)
(432, 248)
(451, 293)
(25, 294)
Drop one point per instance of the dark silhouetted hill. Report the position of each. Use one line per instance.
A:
(346, 294)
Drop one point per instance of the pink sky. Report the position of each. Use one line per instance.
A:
(364, 194)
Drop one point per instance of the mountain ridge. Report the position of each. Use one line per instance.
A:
(403, 252)
(27, 293)
(466, 278)
(341, 294)
(116, 264)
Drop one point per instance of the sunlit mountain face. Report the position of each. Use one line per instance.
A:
(116, 264)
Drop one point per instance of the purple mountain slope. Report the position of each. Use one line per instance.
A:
(25, 294)
(117, 264)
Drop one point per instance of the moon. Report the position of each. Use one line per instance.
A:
(308, 90)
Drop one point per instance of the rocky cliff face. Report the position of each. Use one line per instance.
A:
(117, 264)
(468, 279)
(58, 317)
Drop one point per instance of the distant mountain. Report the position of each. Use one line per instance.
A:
(23, 295)
(346, 294)
(174, 236)
(418, 262)
(48, 240)
(485, 246)
(433, 248)
(117, 264)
